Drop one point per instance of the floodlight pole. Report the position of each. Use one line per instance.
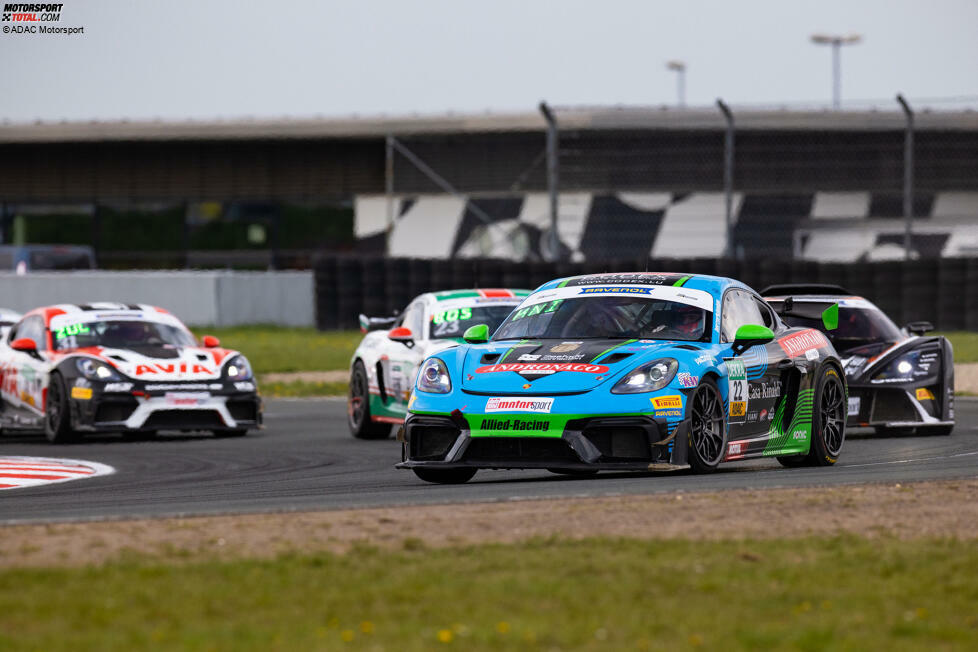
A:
(680, 68)
(836, 42)
(553, 175)
(728, 163)
(907, 178)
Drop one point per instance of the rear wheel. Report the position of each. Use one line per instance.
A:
(358, 407)
(707, 431)
(57, 413)
(828, 418)
(445, 476)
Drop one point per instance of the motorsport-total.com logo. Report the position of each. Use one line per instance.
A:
(31, 13)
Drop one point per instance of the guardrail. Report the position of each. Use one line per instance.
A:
(943, 291)
(204, 298)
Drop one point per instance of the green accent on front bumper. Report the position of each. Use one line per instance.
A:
(525, 425)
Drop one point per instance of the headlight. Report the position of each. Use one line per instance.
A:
(913, 365)
(648, 378)
(238, 368)
(96, 370)
(434, 377)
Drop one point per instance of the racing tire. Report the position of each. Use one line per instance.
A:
(828, 418)
(57, 413)
(707, 428)
(445, 476)
(358, 407)
(935, 431)
(224, 434)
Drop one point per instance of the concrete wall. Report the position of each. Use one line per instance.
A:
(205, 298)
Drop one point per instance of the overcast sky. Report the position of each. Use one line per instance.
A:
(183, 59)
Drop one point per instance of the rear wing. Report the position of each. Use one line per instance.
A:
(803, 288)
(368, 324)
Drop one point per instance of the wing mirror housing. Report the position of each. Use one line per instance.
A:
(210, 341)
(24, 345)
(403, 335)
(478, 334)
(830, 317)
(750, 335)
(919, 327)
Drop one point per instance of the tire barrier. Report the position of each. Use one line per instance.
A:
(943, 292)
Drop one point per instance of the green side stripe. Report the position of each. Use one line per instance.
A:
(522, 342)
(680, 282)
(564, 282)
(602, 354)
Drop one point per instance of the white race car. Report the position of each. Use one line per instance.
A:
(385, 365)
(70, 369)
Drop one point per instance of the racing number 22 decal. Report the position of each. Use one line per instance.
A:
(737, 394)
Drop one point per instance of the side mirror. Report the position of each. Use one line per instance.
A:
(402, 335)
(210, 341)
(24, 345)
(919, 327)
(830, 317)
(750, 335)
(478, 334)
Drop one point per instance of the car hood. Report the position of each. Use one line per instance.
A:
(555, 366)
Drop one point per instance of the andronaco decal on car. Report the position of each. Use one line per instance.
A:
(542, 368)
(796, 344)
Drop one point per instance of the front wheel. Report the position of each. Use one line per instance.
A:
(828, 418)
(707, 430)
(57, 413)
(445, 476)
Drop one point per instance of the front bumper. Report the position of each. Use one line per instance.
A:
(899, 407)
(590, 443)
(172, 406)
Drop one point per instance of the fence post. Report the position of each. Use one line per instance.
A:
(728, 163)
(907, 178)
(553, 177)
(389, 187)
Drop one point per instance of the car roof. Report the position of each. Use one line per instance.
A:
(117, 309)
(480, 293)
(715, 285)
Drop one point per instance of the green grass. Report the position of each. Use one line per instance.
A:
(965, 345)
(280, 349)
(808, 594)
(301, 389)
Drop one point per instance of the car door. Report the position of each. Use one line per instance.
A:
(754, 376)
(24, 375)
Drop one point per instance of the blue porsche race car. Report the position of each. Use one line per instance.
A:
(631, 371)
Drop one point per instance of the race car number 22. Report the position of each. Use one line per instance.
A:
(737, 395)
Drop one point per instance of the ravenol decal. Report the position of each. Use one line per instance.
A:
(618, 289)
(671, 402)
(528, 404)
(797, 344)
(737, 389)
(542, 368)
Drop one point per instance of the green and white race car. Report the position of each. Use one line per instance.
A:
(385, 366)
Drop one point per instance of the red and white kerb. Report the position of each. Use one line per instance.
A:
(17, 472)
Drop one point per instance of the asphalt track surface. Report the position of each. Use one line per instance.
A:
(305, 459)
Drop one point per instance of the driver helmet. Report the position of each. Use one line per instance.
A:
(126, 331)
(688, 319)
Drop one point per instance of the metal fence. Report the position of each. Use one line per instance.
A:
(944, 292)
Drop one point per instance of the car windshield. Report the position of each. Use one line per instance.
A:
(609, 317)
(857, 327)
(452, 322)
(120, 335)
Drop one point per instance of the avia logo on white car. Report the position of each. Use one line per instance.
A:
(528, 404)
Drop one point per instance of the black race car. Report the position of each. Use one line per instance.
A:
(900, 380)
